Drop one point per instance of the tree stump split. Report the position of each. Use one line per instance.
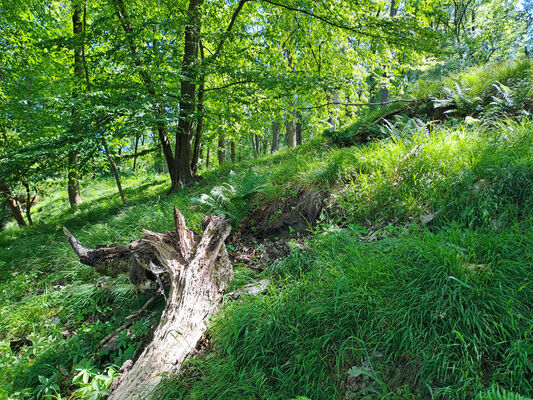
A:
(199, 271)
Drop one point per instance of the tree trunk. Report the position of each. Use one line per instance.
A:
(333, 115)
(290, 126)
(199, 271)
(135, 153)
(29, 203)
(290, 117)
(114, 170)
(221, 151)
(199, 126)
(299, 129)
(264, 144)
(275, 137)
(232, 151)
(207, 159)
(384, 91)
(13, 205)
(183, 151)
(73, 184)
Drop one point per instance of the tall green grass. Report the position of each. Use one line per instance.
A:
(425, 315)
(462, 174)
(440, 307)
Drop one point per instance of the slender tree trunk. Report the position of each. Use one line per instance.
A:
(265, 144)
(135, 153)
(73, 184)
(29, 203)
(299, 129)
(254, 147)
(333, 115)
(384, 91)
(255, 141)
(114, 170)
(221, 149)
(290, 127)
(290, 117)
(232, 151)
(183, 151)
(275, 137)
(13, 205)
(207, 159)
(199, 126)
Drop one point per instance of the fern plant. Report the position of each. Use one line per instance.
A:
(233, 197)
(502, 103)
(500, 394)
(458, 97)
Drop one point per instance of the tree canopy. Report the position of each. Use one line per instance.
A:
(181, 79)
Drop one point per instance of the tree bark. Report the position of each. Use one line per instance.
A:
(232, 151)
(255, 141)
(135, 152)
(199, 271)
(183, 151)
(199, 126)
(275, 137)
(13, 204)
(290, 117)
(221, 150)
(29, 203)
(384, 91)
(290, 127)
(114, 170)
(299, 130)
(333, 115)
(73, 184)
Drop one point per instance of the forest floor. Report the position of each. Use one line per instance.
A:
(399, 269)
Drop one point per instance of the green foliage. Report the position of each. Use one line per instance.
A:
(459, 173)
(424, 294)
(92, 386)
(420, 288)
(489, 92)
(500, 394)
(234, 197)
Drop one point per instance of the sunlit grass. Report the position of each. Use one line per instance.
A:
(443, 296)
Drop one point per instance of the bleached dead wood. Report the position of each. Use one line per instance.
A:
(198, 269)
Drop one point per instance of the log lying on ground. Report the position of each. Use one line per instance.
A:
(199, 270)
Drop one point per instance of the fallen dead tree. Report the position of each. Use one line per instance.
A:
(198, 270)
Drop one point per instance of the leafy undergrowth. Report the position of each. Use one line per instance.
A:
(489, 92)
(416, 283)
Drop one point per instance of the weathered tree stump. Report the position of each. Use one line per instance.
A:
(199, 270)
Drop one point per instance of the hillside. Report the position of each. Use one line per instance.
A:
(399, 252)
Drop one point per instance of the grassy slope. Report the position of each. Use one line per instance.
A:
(439, 305)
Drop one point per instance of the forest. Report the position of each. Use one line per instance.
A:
(266, 199)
